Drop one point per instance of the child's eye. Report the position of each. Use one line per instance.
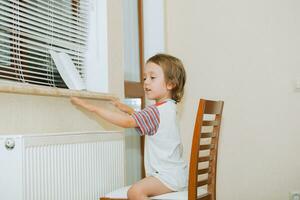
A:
(144, 78)
(152, 77)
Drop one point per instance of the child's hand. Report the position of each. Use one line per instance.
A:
(122, 107)
(116, 103)
(77, 101)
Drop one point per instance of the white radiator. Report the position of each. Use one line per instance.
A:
(70, 166)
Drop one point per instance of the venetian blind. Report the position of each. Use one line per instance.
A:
(30, 28)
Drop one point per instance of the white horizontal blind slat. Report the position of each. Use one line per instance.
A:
(17, 79)
(38, 45)
(25, 61)
(42, 17)
(22, 75)
(17, 62)
(29, 20)
(33, 50)
(29, 29)
(27, 56)
(44, 83)
(74, 55)
(62, 10)
(38, 31)
(41, 40)
(22, 68)
(33, 14)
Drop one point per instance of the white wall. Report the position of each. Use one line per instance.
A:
(246, 53)
(154, 27)
(28, 114)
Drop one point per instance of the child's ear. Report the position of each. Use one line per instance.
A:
(170, 85)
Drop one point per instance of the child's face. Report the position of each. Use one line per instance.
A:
(155, 86)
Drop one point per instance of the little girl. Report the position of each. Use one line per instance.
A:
(166, 171)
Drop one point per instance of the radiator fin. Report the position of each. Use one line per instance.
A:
(82, 171)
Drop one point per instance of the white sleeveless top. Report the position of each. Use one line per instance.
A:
(163, 147)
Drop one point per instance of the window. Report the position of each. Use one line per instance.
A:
(30, 28)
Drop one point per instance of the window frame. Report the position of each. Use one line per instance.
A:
(135, 89)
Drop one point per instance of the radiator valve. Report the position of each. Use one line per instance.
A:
(10, 144)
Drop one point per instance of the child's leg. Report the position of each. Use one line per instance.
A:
(146, 187)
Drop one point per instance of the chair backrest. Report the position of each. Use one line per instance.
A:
(204, 151)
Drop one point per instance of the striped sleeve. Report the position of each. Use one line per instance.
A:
(147, 120)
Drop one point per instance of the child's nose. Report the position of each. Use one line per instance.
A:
(146, 81)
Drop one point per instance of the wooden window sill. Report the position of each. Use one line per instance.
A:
(56, 92)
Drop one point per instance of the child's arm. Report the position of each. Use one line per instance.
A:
(119, 119)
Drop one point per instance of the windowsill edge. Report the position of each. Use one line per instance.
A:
(56, 92)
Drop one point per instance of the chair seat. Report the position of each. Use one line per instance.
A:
(182, 195)
(120, 193)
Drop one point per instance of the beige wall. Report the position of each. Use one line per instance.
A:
(22, 114)
(246, 53)
(27, 114)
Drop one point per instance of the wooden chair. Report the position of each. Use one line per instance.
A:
(203, 160)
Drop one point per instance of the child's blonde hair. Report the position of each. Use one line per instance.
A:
(173, 71)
